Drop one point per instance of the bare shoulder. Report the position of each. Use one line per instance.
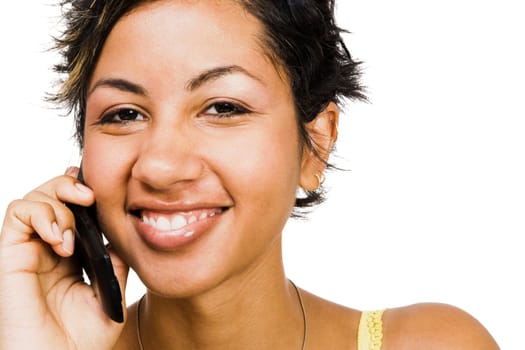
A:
(434, 326)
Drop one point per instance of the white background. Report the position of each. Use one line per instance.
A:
(433, 206)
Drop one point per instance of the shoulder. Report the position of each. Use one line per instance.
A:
(434, 326)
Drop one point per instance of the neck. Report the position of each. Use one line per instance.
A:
(262, 312)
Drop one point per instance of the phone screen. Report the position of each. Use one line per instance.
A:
(95, 260)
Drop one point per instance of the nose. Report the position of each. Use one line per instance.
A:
(167, 157)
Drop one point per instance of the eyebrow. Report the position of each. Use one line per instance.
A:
(119, 84)
(192, 84)
(216, 73)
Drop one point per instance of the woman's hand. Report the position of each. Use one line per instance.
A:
(44, 303)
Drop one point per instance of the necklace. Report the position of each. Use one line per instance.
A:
(299, 297)
(303, 311)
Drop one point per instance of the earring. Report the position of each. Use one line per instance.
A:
(320, 180)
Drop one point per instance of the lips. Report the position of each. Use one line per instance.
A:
(171, 230)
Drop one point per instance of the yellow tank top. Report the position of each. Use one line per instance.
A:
(370, 331)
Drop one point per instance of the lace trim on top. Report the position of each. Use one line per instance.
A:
(370, 331)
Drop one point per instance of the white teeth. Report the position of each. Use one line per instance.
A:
(177, 222)
(163, 224)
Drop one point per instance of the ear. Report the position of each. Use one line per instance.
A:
(322, 132)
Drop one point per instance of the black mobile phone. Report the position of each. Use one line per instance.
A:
(95, 260)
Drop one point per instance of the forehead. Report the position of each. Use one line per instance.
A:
(223, 16)
(163, 45)
(220, 20)
(199, 32)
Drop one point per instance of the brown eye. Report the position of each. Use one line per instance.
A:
(124, 115)
(225, 109)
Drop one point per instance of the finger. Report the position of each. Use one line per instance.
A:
(63, 226)
(24, 219)
(55, 192)
(72, 171)
(65, 188)
(64, 216)
(34, 257)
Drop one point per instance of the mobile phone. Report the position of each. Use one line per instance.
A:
(94, 258)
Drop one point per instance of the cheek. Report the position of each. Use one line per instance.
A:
(264, 167)
(103, 158)
(262, 179)
(106, 165)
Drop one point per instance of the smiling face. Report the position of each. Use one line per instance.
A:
(191, 144)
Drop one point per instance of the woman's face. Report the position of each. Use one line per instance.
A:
(191, 144)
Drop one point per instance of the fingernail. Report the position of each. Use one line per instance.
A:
(56, 232)
(70, 171)
(82, 188)
(69, 241)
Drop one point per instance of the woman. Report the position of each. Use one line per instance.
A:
(198, 121)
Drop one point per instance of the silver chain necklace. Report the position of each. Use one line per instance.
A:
(303, 311)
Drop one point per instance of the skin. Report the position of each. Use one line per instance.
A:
(223, 286)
